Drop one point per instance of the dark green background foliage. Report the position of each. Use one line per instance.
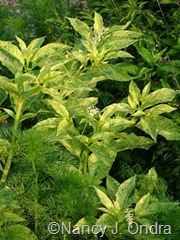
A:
(89, 116)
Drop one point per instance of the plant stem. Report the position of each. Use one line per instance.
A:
(15, 128)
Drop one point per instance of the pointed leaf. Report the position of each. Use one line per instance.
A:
(142, 205)
(59, 108)
(8, 86)
(135, 92)
(81, 27)
(159, 109)
(125, 194)
(112, 186)
(98, 23)
(27, 116)
(101, 159)
(117, 54)
(11, 57)
(158, 96)
(168, 129)
(35, 44)
(19, 231)
(74, 146)
(104, 199)
(11, 217)
(146, 90)
(132, 102)
(149, 125)
(152, 174)
(105, 220)
(130, 141)
(116, 124)
(108, 111)
(62, 127)
(118, 40)
(21, 44)
(114, 72)
(3, 95)
(48, 123)
(146, 209)
(52, 51)
(9, 112)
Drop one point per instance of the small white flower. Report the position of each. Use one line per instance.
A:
(129, 214)
(98, 37)
(93, 111)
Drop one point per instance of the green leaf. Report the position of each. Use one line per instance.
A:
(150, 126)
(101, 135)
(117, 54)
(35, 44)
(116, 124)
(146, 55)
(98, 23)
(48, 123)
(138, 113)
(91, 48)
(113, 72)
(20, 232)
(158, 96)
(159, 109)
(132, 102)
(154, 125)
(27, 116)
(11, 217)
(63, 127)
(80, 106)
(3, 95)
(74, 146)
(147, 209)
(129, 141)
(81, 27)
(144, 71)
(168, 129)
(8, 86)
(117, 28)
(9, 112)
(22, 44)
(118, 40)
(152, 174)
(59, 108)
(101, 159)
(105, 220)
(146, 90)
(108, 111)
(104, 199)
(51, 52)
(141, 205)
(11, 57)
(125, 194)
(31, 50)
(135, 92)
(112, 186)
(106, 71)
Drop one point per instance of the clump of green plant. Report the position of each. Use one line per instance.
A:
(141, 199)
(51, 87)
(11, 223)
(32, 19)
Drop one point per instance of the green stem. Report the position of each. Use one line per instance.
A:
(15, 128)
